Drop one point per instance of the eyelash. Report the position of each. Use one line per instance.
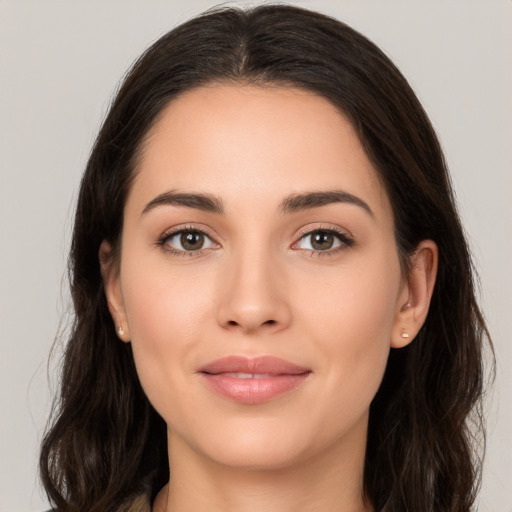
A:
(343, 238)
(162, 241)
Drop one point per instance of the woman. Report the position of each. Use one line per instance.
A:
(273, 294)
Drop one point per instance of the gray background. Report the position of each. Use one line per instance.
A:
(60, 62)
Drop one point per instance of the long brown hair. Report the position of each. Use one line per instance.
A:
(106, 442)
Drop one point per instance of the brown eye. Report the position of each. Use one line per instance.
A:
(187, 241)
(192, 240)
(322, 240)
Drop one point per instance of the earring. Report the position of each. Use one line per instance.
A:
(405, 334)
(120, 331)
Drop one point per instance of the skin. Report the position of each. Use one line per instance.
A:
(257, 288)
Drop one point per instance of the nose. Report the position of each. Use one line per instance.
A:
(253, 294)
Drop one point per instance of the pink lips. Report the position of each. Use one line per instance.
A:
(253, 380)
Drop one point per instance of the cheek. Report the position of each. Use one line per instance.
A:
(350, 313)
(356, 302)
(164, 311)
(162, 305)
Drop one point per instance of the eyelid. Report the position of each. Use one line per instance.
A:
(176, 230)
(344, 236)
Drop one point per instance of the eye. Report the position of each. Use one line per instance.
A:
(187, 240)
(323, 240)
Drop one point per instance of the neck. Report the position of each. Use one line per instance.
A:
(332, 481)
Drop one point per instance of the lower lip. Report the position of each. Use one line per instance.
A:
(253, 390)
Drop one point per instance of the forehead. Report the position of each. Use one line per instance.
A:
(259, 143)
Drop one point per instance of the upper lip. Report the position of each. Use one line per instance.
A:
(267, 365)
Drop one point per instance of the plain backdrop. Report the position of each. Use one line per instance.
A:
(60, 62)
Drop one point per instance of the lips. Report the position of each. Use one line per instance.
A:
(253, 380)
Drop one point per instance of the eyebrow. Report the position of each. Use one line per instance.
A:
(291, 204)
(205, 202)
(305, 201)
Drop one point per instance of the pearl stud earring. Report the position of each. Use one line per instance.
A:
(120, 331)
(405, 334)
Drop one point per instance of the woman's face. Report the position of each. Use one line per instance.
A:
(259, 281)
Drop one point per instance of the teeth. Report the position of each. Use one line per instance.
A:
(238, 375)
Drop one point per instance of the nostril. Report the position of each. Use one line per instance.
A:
(234, 323)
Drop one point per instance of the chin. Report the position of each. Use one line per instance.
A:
(249, 445)
(270, 456)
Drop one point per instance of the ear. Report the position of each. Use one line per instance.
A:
(112, 287)
(414, 299)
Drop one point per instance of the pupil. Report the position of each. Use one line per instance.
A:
(322, 240)
(192, 241)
